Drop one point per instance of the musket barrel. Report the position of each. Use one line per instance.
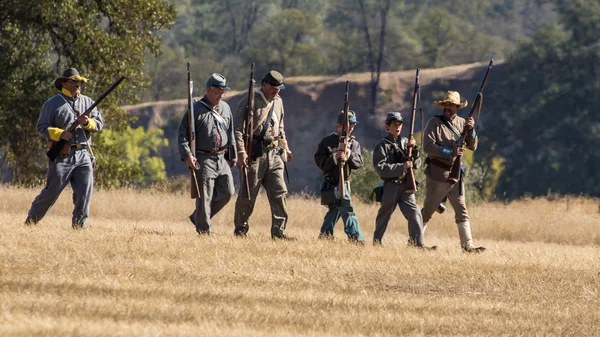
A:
(454, 176)
(249, 129)
(195, 189)
(411, 185)
(343, 142)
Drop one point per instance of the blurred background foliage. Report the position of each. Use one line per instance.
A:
(540, 130)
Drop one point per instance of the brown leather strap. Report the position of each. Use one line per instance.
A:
(441, 164)
(214, 150)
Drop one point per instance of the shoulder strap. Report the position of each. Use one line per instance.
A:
(448, 125)
(265, 125)
(216, 115)
(72, 109)
(87, 141)
(398, 146)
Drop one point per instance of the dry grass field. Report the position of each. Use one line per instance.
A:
(141, 270)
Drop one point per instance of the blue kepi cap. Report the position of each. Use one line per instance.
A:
(393, 116)
(351, 117)
(217, 80)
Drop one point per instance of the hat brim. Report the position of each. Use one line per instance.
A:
(224, 87)
(58, 81)
(440, 104)
(350, 120)
(389, 121)
(282, 86)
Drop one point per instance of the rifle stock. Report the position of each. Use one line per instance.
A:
(195, 189)
(343, 143)
(454, 175)
(411, 184)
(54, 150)
(249, 130)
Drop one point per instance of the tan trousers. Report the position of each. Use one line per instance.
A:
(267, 171)
(436, 191)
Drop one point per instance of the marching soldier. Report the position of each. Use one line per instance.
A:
(266, 164)
(391, 162)
(328, 157)
(75, 163)
(441, 137)
(215, 152)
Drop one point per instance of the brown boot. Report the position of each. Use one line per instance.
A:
(473, 249)
(325, 236)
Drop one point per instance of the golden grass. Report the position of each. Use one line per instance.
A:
(141, 270)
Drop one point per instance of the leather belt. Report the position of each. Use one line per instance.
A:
(79, 146)
(399, 180)
(214, 150)
(267, 140)
(441, 164)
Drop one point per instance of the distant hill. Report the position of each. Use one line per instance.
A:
(311, 104)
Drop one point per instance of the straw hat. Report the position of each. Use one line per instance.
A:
(452, 97)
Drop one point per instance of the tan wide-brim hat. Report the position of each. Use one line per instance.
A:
(452, 97)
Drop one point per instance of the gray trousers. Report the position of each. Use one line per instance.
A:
(216, 189)
(394, 194)
(75, 168)
(267, 171)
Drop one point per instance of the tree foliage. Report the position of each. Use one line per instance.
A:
(138, 149)
(289, 48)
(549, 115)
(366, 178)
(103, 39)
(335, 37)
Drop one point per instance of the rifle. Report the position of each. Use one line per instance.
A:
(195, 189)
(411, 185)
(57, 146)
(248, 129)
(343, 142)
(454, 176)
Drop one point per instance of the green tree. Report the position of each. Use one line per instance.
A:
(139, 149)
(440, 33)
(365, 179)
(102, 39)
(170, 71)
(549, 115)
(370, 19)
(290, 48)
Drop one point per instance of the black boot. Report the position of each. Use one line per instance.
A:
(241, 231)
(412, 243)
(283, 237)
(30, 221)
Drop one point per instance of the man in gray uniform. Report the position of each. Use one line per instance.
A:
(74, 164)
(440, 142)
(266, 162)
(391, 162)
(215, 152)
(327, 158)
